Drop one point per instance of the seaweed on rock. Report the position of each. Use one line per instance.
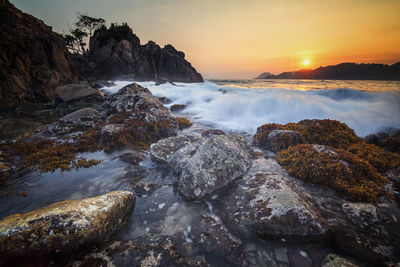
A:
(50, 155)
(324, 132)
(183, 123)
(343, 171)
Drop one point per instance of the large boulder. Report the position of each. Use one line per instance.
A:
(136, 118)
(34, 59)
(268, 203)
(64, 225)
(78, 92)
(204, 165)
(117, 51)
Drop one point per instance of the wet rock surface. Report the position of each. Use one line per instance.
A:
(268, 203)
(204, 167)
(64, 225)
(80, 120)
(143, 251)
(14, 130)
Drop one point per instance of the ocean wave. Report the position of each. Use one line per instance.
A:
(243, 109)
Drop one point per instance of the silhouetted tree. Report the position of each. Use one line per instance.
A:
(85, 27)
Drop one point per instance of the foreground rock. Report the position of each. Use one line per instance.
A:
(64, 225)
(34, 59)
(277, 140)
(15, 130)
(205, 164)
(269, 204)
(143, 251)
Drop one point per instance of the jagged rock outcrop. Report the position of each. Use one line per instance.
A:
(33, 58)
(64, 225)
(117, 51)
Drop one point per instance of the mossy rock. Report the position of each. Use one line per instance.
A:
(341, 170)
(325, 132)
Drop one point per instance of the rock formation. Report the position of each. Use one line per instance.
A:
(33, 58)
(117, 51)
(343, 71)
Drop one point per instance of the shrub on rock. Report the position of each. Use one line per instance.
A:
(340, 170)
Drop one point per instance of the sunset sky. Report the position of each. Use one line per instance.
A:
(241, 39)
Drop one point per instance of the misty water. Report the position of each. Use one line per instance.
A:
(237, 106)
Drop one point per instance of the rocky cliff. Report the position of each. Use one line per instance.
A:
(117, 51)
(343, 71)
(33, 58)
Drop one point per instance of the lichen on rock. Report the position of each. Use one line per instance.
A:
(64, 225)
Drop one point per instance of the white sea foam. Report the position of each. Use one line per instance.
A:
(246, 105)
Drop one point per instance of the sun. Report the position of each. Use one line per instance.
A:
(306, 62)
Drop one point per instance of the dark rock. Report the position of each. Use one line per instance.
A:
(142, 251)
(164, 100)
(79, 120)
(14, 130)
(204, 167)
(281, 255)
(133, 157)
(268, 203)
(78, 92)
(5, 166)
(34, 58)
(98, 84)
(280, 139)
(64, 225)
(117, 51)
(177, 107)
(361, 214)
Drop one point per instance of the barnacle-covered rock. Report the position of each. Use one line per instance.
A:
(268, 203)
(64, 225)
(79, 120)
(147, 250)
(162, 150)
(205, 166)
(332, 260)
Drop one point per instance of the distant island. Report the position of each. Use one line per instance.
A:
(343, 71)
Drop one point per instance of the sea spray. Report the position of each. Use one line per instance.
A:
(241, 106)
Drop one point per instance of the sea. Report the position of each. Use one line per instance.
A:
(243, 105)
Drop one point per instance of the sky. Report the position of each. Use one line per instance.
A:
(239, 39)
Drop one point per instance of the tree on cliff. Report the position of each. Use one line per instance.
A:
(85, 27)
